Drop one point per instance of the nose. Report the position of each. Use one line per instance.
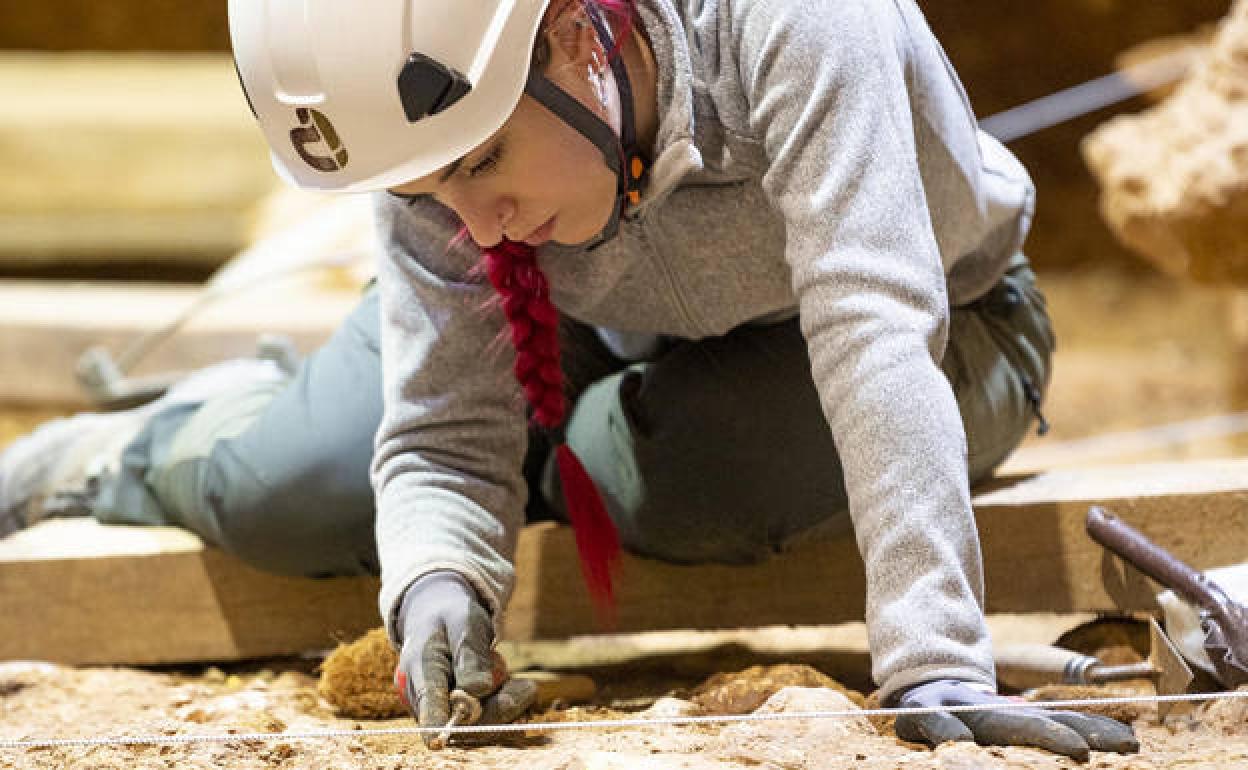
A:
(486, 216)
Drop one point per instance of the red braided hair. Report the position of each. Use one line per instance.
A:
(533, 322)
(534, 325)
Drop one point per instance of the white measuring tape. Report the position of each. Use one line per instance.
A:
(606, 724)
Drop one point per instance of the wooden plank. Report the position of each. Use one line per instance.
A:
(154, 157)
(76, 592)
(1037, 558)
(46, 326)
(73, 591)
(1213, 436)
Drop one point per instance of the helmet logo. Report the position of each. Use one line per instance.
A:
(316, 132)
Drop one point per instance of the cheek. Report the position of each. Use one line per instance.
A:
(576, 165)
(570, 175)
(585, 184)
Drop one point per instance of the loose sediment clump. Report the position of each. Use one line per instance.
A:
(1227, 717)
(358, 678)
(742, 692)
(1123, 712)
(1175, 178)
(1112, 640)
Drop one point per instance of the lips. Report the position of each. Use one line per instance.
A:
(541, 234)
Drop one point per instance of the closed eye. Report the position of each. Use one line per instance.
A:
(409, 198)
(489, 162)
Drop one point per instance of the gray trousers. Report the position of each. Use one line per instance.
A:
(693, 465)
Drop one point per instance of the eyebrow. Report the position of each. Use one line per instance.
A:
(450, 170)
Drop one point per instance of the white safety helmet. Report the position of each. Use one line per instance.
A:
(362, 95)
(358, 95)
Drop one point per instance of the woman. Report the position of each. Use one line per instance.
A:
(784, 257)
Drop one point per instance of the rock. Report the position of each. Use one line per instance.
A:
(667, 707)
(964, 756)
(790, 700)
(1228, 716)
(741, 692)
(1007, 55)
(791, 741)
(213, 675)
(1175, 178)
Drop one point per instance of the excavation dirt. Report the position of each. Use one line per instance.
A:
(43, 701)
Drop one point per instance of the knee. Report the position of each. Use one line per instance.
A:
(306, 520)
(683, 536)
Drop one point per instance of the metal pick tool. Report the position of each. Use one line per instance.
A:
(465, 710)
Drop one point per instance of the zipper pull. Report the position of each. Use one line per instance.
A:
(1033, 397)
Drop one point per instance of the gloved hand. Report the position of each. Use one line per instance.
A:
(447, 644)
(1063, 732)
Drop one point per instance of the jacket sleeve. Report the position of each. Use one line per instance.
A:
(829, 90)
(446, 471)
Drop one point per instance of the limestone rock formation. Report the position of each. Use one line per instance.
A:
(1175, 178)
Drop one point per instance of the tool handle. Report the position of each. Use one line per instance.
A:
(1102, 673)
(1024, 666)
(1154, 561)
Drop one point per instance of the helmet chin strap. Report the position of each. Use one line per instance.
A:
(619, 152)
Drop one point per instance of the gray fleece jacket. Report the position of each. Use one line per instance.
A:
(813, 156)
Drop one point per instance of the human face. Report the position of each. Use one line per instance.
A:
(536, 179)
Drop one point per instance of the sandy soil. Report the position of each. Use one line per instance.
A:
(39, 701)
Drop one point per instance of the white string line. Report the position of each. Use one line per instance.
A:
(605, 724)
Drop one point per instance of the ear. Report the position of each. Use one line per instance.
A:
(570, 36)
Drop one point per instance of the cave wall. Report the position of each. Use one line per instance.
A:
(1009, 52)
(1175, 177)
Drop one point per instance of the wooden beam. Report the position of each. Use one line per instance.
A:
(153, 157)
(47, 326)
(1037, 558)
(73, 591)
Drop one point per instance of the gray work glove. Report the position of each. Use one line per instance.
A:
(447, 644)
(1062, 732)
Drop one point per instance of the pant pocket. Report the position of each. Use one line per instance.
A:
(999, 362)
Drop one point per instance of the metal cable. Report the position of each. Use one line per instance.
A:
(153, 740)
(1074, 102)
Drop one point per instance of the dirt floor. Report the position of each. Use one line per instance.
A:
(40, 700)
(1121, 366)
